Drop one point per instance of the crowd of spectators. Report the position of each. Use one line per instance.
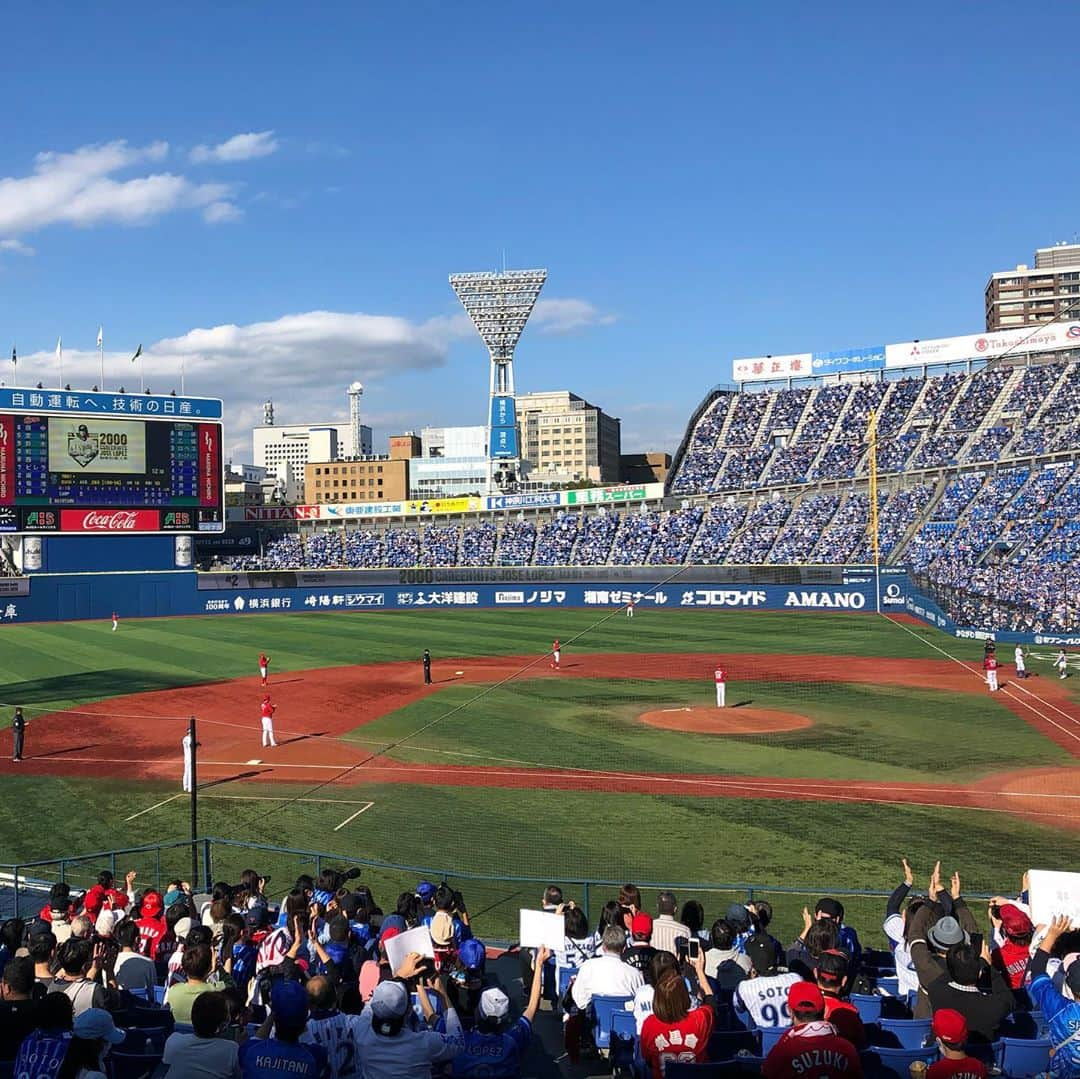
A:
(516, 543)
(555, 540)
(233, 984)
(674, 536)
(718, 527)
(634, 538)
(478, 544)
(803, 528)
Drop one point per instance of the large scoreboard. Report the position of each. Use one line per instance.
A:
(96, 463)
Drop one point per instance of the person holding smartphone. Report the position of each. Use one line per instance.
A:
(675, 1032)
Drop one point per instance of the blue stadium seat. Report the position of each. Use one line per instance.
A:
(890, 986)
(1023, 1057)
(895, 1063)
(603, 1008)
(910, 1033)
(624, 1041)
(144, 1040)
(725, 1044)
(159, 994)
(868, 1006)
(770, 1036)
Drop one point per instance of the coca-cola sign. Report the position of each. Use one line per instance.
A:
(109, 520)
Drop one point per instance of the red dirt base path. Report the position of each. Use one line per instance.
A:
(138, 736)
(742, 720)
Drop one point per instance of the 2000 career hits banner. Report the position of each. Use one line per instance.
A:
(86, 444)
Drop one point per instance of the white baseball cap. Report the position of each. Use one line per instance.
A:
(494, 1004)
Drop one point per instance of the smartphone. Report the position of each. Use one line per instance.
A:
(977, 943)
(693, 949)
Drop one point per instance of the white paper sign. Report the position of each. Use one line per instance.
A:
(1051, 893)
(415, 940)
(542, 930)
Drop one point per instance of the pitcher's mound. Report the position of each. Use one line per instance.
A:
(725, 720)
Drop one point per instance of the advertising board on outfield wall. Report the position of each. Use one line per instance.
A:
(426, 507)
(975, 346)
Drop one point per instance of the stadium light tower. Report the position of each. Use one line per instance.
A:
(356, 391)
(499, 305)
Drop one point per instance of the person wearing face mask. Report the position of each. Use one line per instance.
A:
(204, 1054)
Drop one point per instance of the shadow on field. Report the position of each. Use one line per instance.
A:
(232, 779)
(743, 704)
(302, 738)
(61, 752)
(93, 684)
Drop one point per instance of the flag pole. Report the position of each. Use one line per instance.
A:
(101, 359)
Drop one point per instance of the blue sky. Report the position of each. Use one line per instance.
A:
(279, 198)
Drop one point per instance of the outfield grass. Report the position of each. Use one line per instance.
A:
(554, 835)
(860, 731)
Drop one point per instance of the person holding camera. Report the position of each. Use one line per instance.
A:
(266, 1056)
(388, 1044)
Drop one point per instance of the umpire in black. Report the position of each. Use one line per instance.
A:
(18, 727)
(426, 660)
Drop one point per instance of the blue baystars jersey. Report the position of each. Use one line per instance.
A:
(42, 1054)
(493, 1056)
(1063, 1017)
(269, 1058)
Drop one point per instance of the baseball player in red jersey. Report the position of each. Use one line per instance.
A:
(268, 710)
(264, 667)
(115, 621)
(555, 653)
(721, 685)
(990, 665)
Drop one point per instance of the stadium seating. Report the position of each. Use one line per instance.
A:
(991, 531)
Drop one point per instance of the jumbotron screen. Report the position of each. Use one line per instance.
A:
(89, 474)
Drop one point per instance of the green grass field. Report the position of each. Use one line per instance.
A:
(887, 733)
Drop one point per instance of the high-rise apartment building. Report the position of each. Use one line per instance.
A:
(1029, 296)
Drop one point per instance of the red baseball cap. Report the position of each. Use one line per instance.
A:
(641, 924)
(950, 1026)
(805, 997)
(1014, 921)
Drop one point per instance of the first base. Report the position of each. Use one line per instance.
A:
(459, 672)
(256, 761)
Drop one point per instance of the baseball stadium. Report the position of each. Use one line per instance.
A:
(841, 637)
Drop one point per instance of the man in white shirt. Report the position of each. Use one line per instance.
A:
(133, 971)
(666, 928)
(764, 994)
(606, 975)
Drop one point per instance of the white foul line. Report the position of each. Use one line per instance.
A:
(362, 809)
(157, 805)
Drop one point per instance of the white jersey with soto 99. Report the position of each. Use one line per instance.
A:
(766, 999)
(336, 1032)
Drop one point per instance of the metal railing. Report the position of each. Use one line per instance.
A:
(494, 898)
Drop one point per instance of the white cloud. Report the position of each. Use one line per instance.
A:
(303, 361)
(16, 247)
(79, 188)
(217, 213)
(558, 316)
(238, 148)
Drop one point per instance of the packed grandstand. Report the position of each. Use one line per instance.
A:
(123, 979)
(979, 493)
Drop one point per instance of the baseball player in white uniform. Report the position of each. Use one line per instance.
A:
(630, 609)
(1062, 664)
(1018, 656)
(721, 686)
(186, 743)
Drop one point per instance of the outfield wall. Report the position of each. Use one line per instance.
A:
(49, 597)
(58, 596)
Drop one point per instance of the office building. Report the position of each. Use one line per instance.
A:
(358, 479)
(565, 439)
(1029, 296)
(452, 462)
(644, 467)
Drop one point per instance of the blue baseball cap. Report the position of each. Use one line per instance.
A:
(472, 954)
(96, 1024)
(426, 890)
(289, 1003)
(392, 921)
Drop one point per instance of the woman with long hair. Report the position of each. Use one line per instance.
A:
(675, 1031)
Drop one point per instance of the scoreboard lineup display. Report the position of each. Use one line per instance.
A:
(99, 463)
